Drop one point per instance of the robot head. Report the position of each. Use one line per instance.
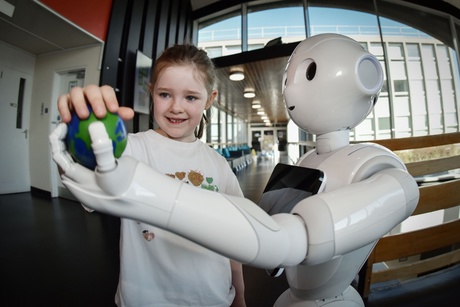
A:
(330, 83)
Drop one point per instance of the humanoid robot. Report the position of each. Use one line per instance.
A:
(330, 85)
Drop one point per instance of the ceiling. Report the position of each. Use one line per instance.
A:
(265, 78)
(39, 31)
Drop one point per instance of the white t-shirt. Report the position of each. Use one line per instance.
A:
(159, 268)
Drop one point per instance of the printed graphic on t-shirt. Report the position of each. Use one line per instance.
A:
(148, 235)
(195, 178)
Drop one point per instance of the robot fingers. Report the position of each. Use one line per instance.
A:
(102, 147)
(58, 148)
(66, 165)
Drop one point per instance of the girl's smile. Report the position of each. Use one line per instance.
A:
(179, 100)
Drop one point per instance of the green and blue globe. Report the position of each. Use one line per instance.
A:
(79, 141)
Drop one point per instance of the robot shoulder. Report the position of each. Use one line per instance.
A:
(370, 158)
(355, 163)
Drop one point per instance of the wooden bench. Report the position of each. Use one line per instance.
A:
(439, 241)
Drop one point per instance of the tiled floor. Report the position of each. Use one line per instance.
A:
(53, 253)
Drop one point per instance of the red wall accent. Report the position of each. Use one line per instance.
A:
(93, 16)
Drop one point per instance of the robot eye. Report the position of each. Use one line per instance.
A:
(311, 71)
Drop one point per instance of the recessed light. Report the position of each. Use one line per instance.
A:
(236, 75)
(249, 94)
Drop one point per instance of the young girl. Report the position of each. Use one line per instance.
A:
(159, 268)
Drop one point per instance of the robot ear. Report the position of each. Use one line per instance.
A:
(370, 74)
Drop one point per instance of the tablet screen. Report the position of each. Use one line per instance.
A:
(289, 184)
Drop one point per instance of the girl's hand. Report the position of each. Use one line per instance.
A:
(101, 99)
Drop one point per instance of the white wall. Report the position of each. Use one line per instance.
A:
(14, 176)
(16, 59)
(46, 69)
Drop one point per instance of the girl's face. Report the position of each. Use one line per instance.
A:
(179, 100)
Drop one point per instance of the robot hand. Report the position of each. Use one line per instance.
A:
(232, 226)
(67, 167)
(102, 190)
(76, 177)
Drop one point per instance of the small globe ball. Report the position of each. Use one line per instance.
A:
(79, 141)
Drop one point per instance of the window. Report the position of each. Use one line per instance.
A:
(420, 92)
(223, 130)
(214, 125)
(230, 138)
(341, 21)
(222, 36)
(282, 20)
(269, 22)
(415, 68)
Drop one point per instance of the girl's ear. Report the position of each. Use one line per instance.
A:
(211, 99)
(151, 88)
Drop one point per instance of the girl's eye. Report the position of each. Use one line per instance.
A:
(191, 98)
(163, 95)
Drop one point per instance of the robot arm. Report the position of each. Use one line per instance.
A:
(232, 226)
(318, 229)
(355, 215)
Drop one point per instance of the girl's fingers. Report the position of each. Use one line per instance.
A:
(63, 107)
(101, 99)
(110, 98)
(77, 102)
(111, 103)
(93, 95)
(125, 113)
(74, 101)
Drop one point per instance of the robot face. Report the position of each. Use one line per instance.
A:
(330, 83)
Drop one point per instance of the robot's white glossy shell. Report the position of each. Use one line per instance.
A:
(351, 164)
(345, 81)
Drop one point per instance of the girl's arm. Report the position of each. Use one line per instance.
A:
(238, 283)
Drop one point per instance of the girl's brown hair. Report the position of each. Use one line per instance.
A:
(179, 55)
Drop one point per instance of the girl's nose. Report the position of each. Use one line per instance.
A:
(176, 105)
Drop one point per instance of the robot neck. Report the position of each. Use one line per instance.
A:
(329, 142)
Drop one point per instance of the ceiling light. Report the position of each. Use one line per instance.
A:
(249, 94)
(236, 75)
